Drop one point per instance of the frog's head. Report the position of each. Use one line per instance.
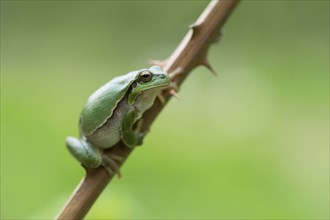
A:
(149, 80)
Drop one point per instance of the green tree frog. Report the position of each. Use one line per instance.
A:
(111, 112)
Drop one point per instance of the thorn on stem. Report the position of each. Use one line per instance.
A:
(160, 63)
(172, 92)
(207, 64)
(195, 29)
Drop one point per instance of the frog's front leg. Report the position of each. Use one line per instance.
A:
(131, 137)
(86, 153)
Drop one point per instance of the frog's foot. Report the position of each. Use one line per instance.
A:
(174, 87)
(110, 164)
(86, 153)
(161, 99)
(169, 91)
(132, 138)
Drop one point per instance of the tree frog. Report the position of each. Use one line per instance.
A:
(111, 112)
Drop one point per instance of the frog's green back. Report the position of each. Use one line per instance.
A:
(101, 104)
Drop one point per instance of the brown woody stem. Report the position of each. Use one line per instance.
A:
(191, 52)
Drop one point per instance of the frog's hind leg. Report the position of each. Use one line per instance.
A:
(86, 153)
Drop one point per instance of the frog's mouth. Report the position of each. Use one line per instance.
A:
(163, 77)
(158, 86)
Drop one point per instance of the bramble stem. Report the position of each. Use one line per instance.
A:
(190, 53)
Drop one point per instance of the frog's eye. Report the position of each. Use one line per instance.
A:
(145, 76)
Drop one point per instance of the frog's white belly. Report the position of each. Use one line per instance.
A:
(109, 133)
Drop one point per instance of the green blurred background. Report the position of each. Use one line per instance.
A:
(250, 143)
